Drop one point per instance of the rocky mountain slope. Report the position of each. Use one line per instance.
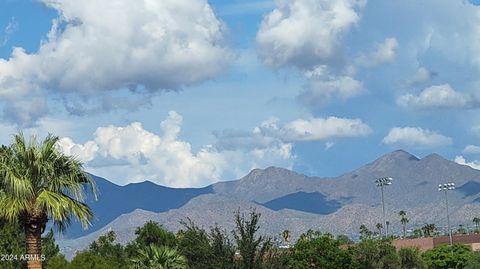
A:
(288, 200)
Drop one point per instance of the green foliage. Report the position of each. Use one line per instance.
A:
(90, 260)
(322, 252)
(252, 248)
(105, 248)
(49, 248)
(375, 254)
(404, 221)
(429, 230)
(365, 233)
(194, 244)
(474, 261)
(447, 256)
(222, 248)
(56, 262)
(159, 257)
(411, 258)
(12, 241)
(154, 233)
(38, 172)
(344, 240)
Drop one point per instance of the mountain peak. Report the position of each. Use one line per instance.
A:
(393, 159)
(399, 154)
(270, 172)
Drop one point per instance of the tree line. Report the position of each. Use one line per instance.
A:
(39, 184)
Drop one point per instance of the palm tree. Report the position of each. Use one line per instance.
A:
(404, 220)
(38, 183)
(379, 227)
(159, 257)
(476, 221)
(286, 236)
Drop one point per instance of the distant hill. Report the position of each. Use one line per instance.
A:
(288, 200)
(114, 200)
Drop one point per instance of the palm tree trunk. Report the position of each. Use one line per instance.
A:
(33, 244)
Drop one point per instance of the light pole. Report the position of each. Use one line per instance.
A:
(447, 187)
(382, 182)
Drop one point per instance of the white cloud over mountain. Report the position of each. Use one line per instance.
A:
(131, 154)
(473, 164)
(415, 137)
(96, 47)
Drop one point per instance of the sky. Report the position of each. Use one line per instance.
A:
(185, 93)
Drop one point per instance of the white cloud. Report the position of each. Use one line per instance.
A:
(305, 33)
(131, 154)
(437, 97)
(320, 88)
(96, 47)
(11, 27)
(385, 53)
(271, 132)
(323, 128)
(415, 137)
(471, 149)
(461, 160)
(422, 75)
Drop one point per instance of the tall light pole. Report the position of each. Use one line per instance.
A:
(447, 187)
(382, 182)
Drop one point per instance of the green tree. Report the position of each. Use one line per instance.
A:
(411, 258)
(286, 236)
(194, 244)
(461, 229)
(49, 248)
(379, 227)
(222, 249)
(429, 230)
(476, 221)
(365, 233)
(446, 256)
(322, 252)
(153, 233)
(252, 248)
(105, 248)
(12, 241)
(56, 262)
(38, 183)
(90, 260)
(344, 240)
(417, 233)
(474, 261)
(404, 221)
(375, 254)
(159, 257)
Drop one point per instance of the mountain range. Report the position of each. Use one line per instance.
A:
(289, 200)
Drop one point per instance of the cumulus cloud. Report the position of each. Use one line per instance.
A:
(438, 97)
(422, 75)
(305, 33)
(473, 164)
(471, 149)
(96, 47)
(130, 153)
(385, 53)
(415, 137)
(323, 128)
(321, 88)
(271, 132)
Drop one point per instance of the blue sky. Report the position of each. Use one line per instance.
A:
(186, 93)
